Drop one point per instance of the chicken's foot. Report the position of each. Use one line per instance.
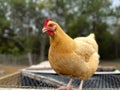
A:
(68, 87)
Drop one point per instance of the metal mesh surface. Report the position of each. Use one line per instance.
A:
(26, 79)
(54, 81)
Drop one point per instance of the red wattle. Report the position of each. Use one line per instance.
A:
(50, 33)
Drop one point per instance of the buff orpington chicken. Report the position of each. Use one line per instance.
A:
(72, 57)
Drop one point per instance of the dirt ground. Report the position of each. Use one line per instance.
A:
(111, 63)
(7, 69)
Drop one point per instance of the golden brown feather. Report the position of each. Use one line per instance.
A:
(73, 57)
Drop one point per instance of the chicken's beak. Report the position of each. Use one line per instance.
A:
(44, 30)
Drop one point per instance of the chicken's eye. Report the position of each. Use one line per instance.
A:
(51, 25)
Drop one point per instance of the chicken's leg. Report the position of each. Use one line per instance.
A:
(81, 84)
(69, 83)
(68, 87)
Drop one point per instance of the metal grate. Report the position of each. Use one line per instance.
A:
(103, 81)
(35, 79)
(53, 80)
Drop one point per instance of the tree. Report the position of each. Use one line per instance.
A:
(116, 34)
(24, 20)
(4, 29)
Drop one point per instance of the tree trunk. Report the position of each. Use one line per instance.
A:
(116, 51)
(29, 58)
(42, 48)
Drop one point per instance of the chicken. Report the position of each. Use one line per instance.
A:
(73, 57)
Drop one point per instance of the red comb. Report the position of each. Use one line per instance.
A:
(46, 21)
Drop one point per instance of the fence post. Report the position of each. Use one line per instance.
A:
(30, 58)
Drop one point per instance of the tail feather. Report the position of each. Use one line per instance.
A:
(92, 35)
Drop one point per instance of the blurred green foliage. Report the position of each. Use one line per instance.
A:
(21, 22)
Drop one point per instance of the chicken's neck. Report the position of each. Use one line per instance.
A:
(62, 41)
